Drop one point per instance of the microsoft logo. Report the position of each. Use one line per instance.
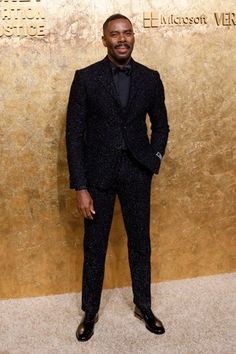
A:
(153, 19)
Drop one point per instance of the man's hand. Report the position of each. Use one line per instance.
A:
(84, 204)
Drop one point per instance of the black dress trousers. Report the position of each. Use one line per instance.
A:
(132, 184)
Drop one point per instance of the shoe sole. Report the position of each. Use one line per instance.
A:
(138, 316)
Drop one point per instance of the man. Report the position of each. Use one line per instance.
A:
(109, 154)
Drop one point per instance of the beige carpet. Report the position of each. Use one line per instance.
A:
(199, 315)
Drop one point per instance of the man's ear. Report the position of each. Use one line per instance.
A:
(104, 41)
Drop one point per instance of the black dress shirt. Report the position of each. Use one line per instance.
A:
(121, 79)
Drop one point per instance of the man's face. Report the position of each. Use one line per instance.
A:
(118, 37)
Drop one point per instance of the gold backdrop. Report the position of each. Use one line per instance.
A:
(193, 200)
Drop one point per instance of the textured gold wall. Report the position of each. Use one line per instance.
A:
(193, 199)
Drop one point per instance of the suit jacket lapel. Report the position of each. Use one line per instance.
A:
(106, 80)
(134, 84)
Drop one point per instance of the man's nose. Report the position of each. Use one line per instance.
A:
(122, 37)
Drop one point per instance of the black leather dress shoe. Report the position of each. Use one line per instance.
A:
(152, 323)
(85, 329)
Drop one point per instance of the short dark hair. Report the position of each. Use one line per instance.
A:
(114, 17)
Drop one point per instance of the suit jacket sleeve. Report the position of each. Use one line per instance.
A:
(158, 117)
(75, 132)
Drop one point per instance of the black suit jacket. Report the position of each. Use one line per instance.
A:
(95, 118)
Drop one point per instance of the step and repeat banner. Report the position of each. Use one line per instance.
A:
(193, 219)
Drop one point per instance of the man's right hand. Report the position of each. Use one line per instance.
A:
(84, 204)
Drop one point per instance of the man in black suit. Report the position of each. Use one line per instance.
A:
(109, 154)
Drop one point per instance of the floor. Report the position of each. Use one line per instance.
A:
(199, 315)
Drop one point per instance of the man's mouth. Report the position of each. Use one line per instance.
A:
(122, 48)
